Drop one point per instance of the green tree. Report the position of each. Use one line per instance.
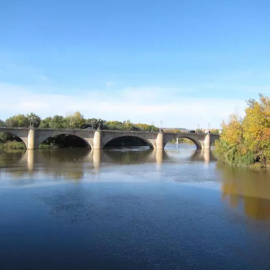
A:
(45, 123)
(34, 120)
(114, 125)
(75, 120)
(90, 123)
(57, 121)
(19, 120)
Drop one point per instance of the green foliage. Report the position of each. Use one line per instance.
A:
(214, 131)
(63, 140)
(45, 123)
(73, 121)
(247, 141)
(19, 120)
(13, 145)
(182, 140)
(128, 125)
(34, 120)
(4, 137)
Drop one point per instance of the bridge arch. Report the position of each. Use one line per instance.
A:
(197, 143)
(43, 137)
(22, 137)
(147, 142)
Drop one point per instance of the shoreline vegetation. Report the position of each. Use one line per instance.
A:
(12, 145)
(246, 141)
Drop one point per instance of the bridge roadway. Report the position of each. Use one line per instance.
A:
(97, 139)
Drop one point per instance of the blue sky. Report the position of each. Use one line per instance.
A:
(185, 63)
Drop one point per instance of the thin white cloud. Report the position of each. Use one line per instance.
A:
(109, 84)
(143, 104)
(43, 78)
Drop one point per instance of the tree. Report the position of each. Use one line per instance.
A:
(57, 122)
(233, 131)
(256, 126)
(34, 120)
(114, 125)
(45, 123)
(90, 123)
(75, 120)
(247, 141)
(19, 120)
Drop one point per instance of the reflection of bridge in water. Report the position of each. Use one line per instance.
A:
(239, 186)
(64, 160)
(203, 155)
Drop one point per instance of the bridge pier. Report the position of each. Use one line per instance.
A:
(31, 139)
(206, 143)
(97, 140)
(160, 141)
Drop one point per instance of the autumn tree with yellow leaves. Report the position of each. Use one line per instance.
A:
(247, 141)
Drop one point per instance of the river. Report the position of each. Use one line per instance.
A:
(131, 209)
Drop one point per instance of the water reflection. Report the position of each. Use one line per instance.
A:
(96, 158)
(73, 163)
(160, 155)
(127, 204)
(240, 187)
(243, 186)
(8, 158)
(30, 160)
(203, 155)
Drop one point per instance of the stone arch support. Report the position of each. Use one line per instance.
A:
(21, 133)
(42, 135)
(197, 139)
(111, 135)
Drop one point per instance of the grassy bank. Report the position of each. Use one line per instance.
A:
(10, 145)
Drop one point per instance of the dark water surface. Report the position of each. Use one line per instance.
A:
(131, 209)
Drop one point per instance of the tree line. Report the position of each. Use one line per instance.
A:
(75, 120)
(246, 141)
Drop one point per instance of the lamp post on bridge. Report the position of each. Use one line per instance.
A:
(32, 122)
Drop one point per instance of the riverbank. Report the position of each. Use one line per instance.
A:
(239, 156)
(245, 141)
(12, 145)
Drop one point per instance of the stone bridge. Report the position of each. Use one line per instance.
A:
(97, 139)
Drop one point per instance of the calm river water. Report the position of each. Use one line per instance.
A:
(131, 209)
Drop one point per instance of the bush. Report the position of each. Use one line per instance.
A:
(13, 145)
(247, 141)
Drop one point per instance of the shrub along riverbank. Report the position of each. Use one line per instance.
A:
(246, 141)
(10, 145)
